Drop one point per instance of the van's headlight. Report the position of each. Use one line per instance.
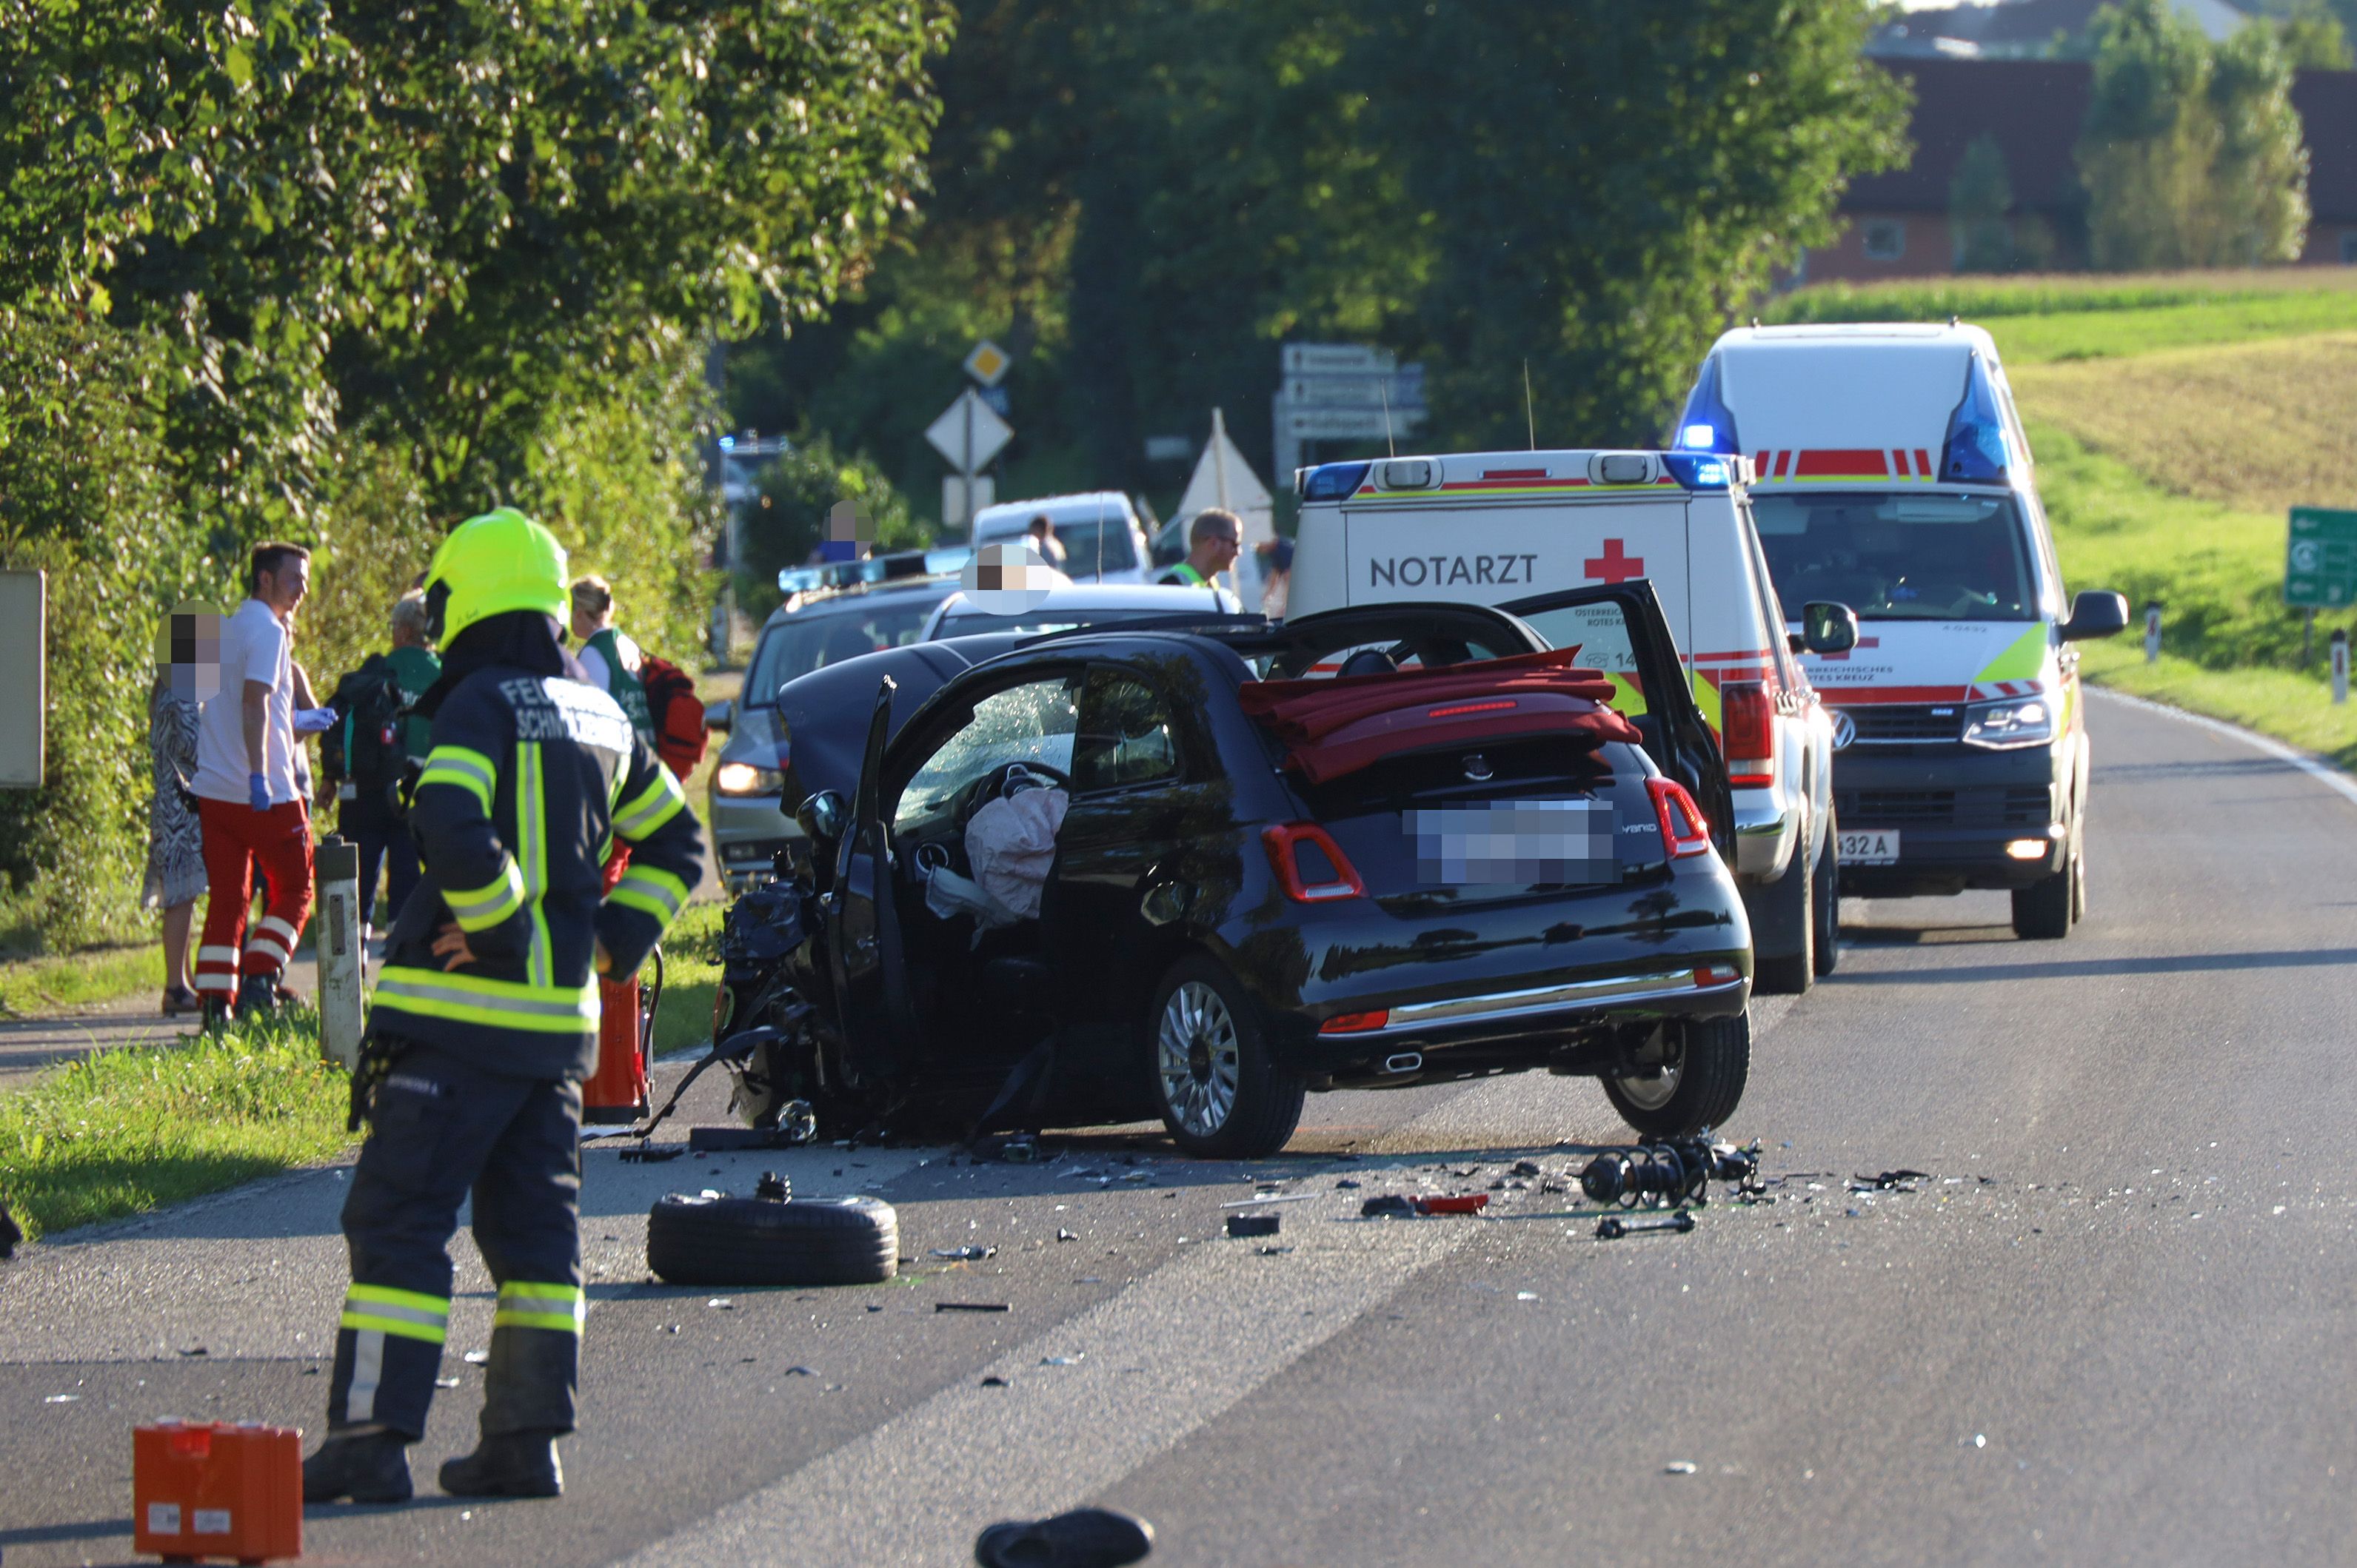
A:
(2001, 726)
(744, 778)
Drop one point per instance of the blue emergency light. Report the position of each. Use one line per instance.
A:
(1977, 452)
(1333, 481)
(1708, 424)
(1697, 471)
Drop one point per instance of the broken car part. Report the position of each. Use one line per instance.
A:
(1611, 1228)
(772, 1239)
(1254, 1224)
(1669, 1174)
(1085, 1538)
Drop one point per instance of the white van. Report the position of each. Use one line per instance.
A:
(1893, 476)
(1102, 538)
(1517, 529)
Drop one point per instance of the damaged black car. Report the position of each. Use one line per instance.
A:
(1196, 873)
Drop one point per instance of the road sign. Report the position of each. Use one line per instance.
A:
(2321, 565)
(969, 433)
(1345, 423)
(961, 498)
(1353, 391)
(988, 364)
(1337, 360)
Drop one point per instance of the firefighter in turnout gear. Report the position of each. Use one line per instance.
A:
(484, 1022)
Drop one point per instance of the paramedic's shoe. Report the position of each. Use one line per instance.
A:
(367, 1466)
(512, 1465)
(1085, 1538)
(257, 997)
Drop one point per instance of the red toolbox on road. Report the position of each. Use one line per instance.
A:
(204, 1489)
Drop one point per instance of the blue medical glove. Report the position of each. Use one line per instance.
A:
(314, 721)
(257, 789)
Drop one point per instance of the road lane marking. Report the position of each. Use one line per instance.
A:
(1204, 1332)
(2323, 772)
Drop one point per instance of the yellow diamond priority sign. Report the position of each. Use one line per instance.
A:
(988, 364)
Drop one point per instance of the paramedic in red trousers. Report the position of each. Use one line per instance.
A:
(250, 804)
(485, 1021)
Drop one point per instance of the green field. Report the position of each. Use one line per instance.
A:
(2175, 419)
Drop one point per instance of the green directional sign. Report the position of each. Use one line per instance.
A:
(2320, 567)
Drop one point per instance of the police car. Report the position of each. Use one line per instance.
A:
(1517, 529)
(1892, 475)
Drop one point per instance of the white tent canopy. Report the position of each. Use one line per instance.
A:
(1222, 479)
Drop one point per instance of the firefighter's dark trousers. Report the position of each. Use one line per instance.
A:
(443, 1127)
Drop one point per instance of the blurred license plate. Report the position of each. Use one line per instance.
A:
(1516, 842)
(1874, 848)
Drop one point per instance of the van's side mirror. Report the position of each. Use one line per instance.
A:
(822, 818)
(2095, 613)
(1828, 628)
(720, 716)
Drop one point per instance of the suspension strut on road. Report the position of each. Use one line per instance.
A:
(1670, 1174)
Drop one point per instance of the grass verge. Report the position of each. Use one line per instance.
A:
(691, 980)
(129, 1130)
(2294, 708)
(34, 985)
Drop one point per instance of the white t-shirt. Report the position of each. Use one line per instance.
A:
(253, 648)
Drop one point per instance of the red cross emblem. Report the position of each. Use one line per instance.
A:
(1616, 565)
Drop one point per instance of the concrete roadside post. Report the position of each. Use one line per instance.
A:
(2152, 631)
(2340, 642)
(338, 943)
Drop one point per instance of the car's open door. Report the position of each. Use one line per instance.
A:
(1620, 629)
(865, 948)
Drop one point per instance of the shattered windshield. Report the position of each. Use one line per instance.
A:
(1900, 556)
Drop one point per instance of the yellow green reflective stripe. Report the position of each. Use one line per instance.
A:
(553, 1306)
(1627, 699)
(408, 1314)
(1706, 698)
(531, 827)
(485, 907)
(656, 891)
(469, 771)
(2023, 660)
(651, 808)
(475, 999)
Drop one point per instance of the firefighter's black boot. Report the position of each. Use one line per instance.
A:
(257, 997)
(509, 1464)
(367, 1466)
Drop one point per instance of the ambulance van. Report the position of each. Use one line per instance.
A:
(1892, 477)
(1536, 534)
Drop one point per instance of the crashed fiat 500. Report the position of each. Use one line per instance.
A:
(1196, 873)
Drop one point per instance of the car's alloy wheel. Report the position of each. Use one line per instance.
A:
(1705, 1063)
(1651, 1093)
(1196, 1053)
(1216, 1082)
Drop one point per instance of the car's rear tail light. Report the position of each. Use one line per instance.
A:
(1709, 975)
(1684, 831)
(1327, 874)
(1746, 731)
(1355, 1022)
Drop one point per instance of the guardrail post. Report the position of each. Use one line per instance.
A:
(2152, 631)
(2340, 642)
(337, 869)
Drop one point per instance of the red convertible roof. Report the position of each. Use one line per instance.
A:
(1338, 727)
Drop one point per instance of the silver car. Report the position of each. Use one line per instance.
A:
(750, 821)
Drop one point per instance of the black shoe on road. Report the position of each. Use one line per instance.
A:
(1085, 1538)
(372, 1467)
(257, 996)
(512, 1465)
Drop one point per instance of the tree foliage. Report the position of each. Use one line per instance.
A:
(2191, 151)
(351, 273)
(1144, 198)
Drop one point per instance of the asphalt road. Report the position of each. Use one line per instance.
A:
(2113, 1326)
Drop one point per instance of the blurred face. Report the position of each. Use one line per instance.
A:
(283, 589)
(586, 622)
(1219, 549)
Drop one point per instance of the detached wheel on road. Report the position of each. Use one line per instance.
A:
(1793, 897)
(1220, 1090)
(770, 1241)
(1700, 1084)
(2049, 907)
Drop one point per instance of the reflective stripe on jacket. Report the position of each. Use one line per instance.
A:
(530, 780)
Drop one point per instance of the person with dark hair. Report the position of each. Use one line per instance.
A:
(250, 803)
(377, 736)
(485, 1021)
(1213, 541)
(1041, 534)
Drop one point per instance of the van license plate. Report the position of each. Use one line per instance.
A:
(1874, 848)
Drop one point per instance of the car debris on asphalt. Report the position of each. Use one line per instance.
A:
(970, 1306)
(1611, 1228)
(1254, 1224)
(965, 1255)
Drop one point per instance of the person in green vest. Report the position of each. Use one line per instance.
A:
(608, 653)
(1213, 541)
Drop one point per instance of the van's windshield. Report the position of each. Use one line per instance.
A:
(1081, 537)
(1900, 556)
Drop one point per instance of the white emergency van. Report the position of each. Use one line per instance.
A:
(1516, 529)
(1893, 476)
(1102, 538)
